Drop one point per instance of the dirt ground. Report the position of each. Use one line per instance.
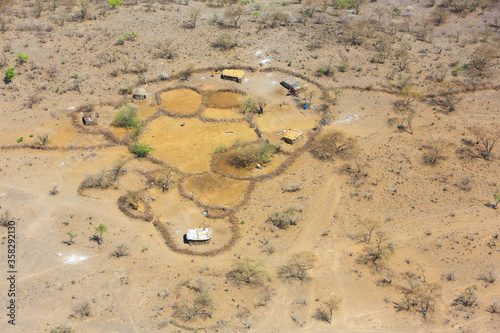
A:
(390, 219)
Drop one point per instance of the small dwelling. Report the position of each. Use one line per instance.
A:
(140, 94)
(291, 136)
(233, 75)
(90, 118)
(292, 84)
(199, 234)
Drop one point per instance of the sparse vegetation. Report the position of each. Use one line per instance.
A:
(245, 155)
(22, 58)
(126, 117)
(249, 271)
(434, 151)
(9, 75)
(121, 251)
(297, 266)
(225, 41)
(71, 236)
(43, 139)
(486, 139)
(141, 149)
(100, 229)
(5, 217)
(82, 310)
(468, 298)
(284, 219)
(325, 312)
(332, 145)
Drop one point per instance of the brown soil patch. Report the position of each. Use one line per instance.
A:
(190, 147)
(222, 114)
(184, 215)
(288, 116)
(224, 99)
(181, 101)
(62, 133)
(146, 109)
(215, 190)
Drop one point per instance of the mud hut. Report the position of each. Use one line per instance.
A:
(292, 84)
(291, 136)
(140, 94)
(90, 119)
(233, 75)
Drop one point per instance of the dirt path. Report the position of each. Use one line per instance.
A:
(317, 218)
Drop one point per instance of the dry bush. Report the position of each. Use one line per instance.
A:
(464, 184)
(434, 151)
(450, 276)
(201, 305)
(368, 227)
(284, 219)
(297, 266)
(489, 277)
(101, 180)
(81, 310)
(482, 60)
(447, 98)
(403, 57)
(384, 50)
(194, 14)
(419, 297)
(439, 16)
(249, 271)
(121, 251)
(186, 73)
(249, 104)
(379, 251)
(164, 181)
(234, 14)
(325, 312)
(225, 41)
(333, 144)
(165, 50)
(468, 298)
(61, 329)
(404, 108)
(355, 33)
(486, 139)
(5, 218)
(494, 307)
(250, 154)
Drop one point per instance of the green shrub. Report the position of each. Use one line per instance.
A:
(114, 3)
(20, 139)
(220, 149)
(9, 74)
(22, 58)
(141, 149)
(126, 117)
(245, 155)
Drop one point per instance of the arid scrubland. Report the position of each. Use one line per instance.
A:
(116, 137)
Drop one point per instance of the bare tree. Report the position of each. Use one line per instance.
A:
(368, 227)
(248, 270)
(233, 14)
(194, 14)
(297, 266)
(333, 144)
(486, 139)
